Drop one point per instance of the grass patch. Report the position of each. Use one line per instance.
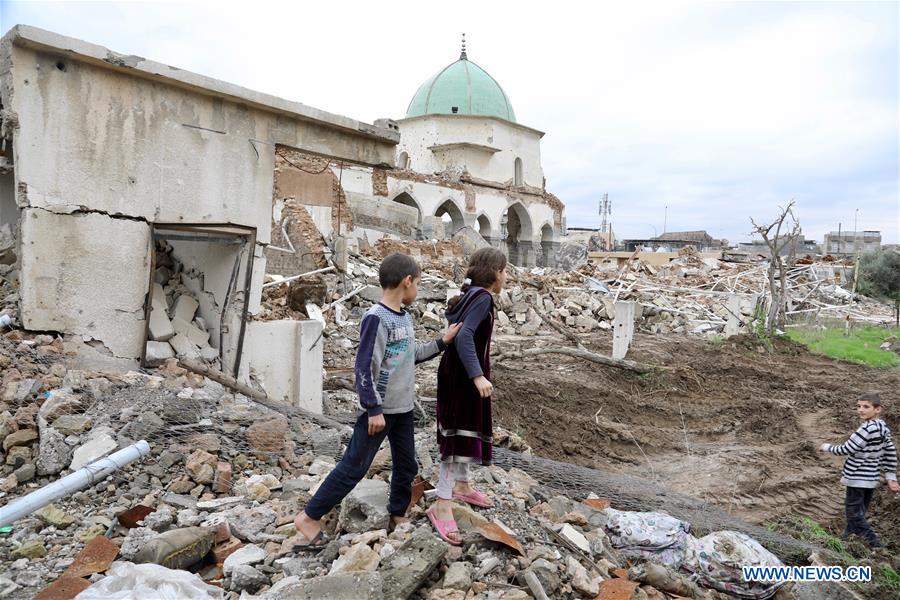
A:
(862, 346)
(891, 577)
(885, 579)
(811, 531)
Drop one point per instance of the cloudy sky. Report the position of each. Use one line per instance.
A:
(720, 111)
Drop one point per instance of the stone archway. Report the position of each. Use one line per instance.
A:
(406, 199)
(547, 239)
(451, 216)
(484, 226)
(519, 234)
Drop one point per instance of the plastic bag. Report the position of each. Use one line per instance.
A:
(125, 581)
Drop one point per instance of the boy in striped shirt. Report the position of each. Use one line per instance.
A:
(869, 452)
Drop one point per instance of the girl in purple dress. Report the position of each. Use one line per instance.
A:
(464, 425)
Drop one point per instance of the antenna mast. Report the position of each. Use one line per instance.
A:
(605, 211)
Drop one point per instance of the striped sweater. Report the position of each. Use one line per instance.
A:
(869, 453)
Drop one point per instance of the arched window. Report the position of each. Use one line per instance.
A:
(403, 161)
(451, 216)
(517, 167)
(484, 226)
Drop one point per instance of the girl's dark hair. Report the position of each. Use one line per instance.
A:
(483, 268)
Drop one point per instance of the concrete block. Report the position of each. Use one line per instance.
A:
(185, 308)
(208, 353)
(286, 357)
(158, 352)
(98, 446)
(199, 337)
(158, 298)
(161, 328)
(184, 347)
(67, 266)
(623, 328)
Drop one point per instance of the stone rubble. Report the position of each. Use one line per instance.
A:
(226, 476)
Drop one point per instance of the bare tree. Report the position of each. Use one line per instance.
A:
(776, 241)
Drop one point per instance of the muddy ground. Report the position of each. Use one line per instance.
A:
(727, 422)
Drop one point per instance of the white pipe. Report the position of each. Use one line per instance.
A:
(288, 279)
(69, 484)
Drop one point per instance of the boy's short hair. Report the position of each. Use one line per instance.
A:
(871, 397)
(395, 268)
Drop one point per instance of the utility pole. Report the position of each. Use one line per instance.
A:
(665, 218)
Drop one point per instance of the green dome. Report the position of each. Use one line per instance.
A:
(465, 86)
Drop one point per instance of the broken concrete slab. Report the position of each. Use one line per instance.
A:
(412, 563)
(357, 558)
(54, 454)
(250, 554)
(101, 444)
(184, 347)
(185, 308)
(198, 336)
(286, 357)
(365, 507)
(156, 353)
(341, 586)
(161, 328)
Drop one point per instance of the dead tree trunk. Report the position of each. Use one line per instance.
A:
(777, 242)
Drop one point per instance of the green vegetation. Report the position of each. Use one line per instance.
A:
(862, 346)
(758, 327)
(891, 577)
(813, 532)
(885, 579)
(879, 276)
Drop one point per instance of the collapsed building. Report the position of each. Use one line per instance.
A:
(149, 202)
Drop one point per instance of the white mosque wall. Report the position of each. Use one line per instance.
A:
(419, 134)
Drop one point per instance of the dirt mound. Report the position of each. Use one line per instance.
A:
(729, 423)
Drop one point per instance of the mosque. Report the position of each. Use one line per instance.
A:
(464, 160)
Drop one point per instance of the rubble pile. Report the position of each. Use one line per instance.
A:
(176, 327)
(691, 295)
(212, 508)
(9, 274)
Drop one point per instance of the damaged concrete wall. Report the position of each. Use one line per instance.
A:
(270, 345)
(374, 217)
(86, 274)
(303, 236)
(118, 142)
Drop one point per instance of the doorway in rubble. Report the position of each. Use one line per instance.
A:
(199, 293)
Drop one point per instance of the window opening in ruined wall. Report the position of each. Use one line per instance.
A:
(199, 292)
(451, 217)
(484, 226)
(517, 172)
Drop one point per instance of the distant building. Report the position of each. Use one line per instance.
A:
(847, 242)
(675, 240)
(800, 247)
(594, 239)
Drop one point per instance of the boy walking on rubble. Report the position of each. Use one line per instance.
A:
(385, 381)
(870, 452)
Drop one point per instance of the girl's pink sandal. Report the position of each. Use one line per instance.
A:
(475, 498)
(444, 528)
